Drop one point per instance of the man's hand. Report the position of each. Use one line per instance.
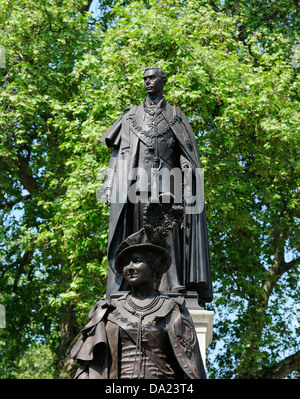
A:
(187, 169)
(107, 196)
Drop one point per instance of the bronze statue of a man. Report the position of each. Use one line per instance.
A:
(154, 153)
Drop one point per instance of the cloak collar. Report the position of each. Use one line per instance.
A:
(160, 104)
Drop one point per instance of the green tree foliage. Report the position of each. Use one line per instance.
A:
(48, 245)
(232, 70)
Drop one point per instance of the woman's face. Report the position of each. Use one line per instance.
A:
(136, 270)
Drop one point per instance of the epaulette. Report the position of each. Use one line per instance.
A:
(125, 110)
(102, 303)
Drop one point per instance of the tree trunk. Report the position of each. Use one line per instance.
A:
(66, 366)
(281, 369)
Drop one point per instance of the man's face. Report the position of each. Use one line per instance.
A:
(153, 82)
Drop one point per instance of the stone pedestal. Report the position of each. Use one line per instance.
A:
(203, 322)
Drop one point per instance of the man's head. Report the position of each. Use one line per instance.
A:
(154, 81)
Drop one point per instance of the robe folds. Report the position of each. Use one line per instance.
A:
(189, 243)
(98, 349)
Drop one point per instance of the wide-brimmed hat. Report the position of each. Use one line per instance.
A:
(159, 219)
(139, 242)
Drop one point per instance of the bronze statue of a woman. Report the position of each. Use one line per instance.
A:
(143, 334)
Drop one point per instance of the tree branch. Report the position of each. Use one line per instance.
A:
(26, 259)
(87, 6)
(27, 180)
(214, 6)
(280, 266)
(281, 369)
(10, 204)
(286, 266)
